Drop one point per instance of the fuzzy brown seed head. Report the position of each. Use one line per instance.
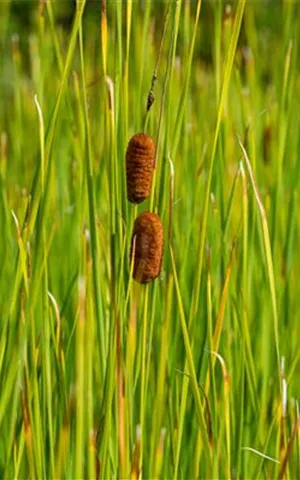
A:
(140, 157)
(147, 247)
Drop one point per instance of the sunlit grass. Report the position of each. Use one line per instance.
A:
(195, 375)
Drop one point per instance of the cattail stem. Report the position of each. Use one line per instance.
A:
(163, 100)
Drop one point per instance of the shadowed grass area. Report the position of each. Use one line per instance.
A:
(196, 374)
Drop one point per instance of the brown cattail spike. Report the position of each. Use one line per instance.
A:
(140, 157)
(147, 247)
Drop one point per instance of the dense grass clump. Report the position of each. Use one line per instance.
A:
(195, 374)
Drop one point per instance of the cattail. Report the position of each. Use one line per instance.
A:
(140, 157)
(147, 247)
